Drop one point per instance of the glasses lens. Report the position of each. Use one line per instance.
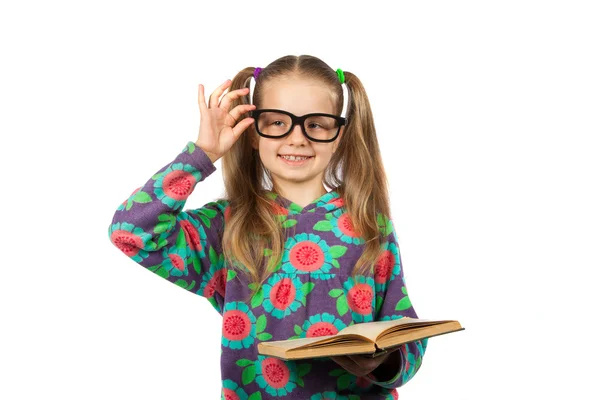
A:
(321, 127)
(277, 124)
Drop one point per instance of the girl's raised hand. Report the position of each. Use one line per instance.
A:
(219, 127)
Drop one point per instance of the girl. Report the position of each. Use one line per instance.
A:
(281, 257)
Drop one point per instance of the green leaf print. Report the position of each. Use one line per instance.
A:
(248, 374)
(212, 255)
(344, 381)
(264, 336)
(159, 270)
(181, 243)
(337, 372)
(210, 213)
(205, 220)
(342, 305)
(403, 304)
(268, 252)
(182, 283)
(289, 223)
(255, 396)
(161, 243)
(297, 330)
(197, 266)
(337, 251)
(257, 299)
(300, 382)
(307, 288)
(261, 323)
(166, 222)
(295, 207)
(335, 263)
(385, 224)
(190, 147)
(166, 217)
(244, 362)
(378, 303)
(304, 369)
(404, 290)
(142, 197)
(323, 226)
(252, 286)
(231, 274)
(336, 292)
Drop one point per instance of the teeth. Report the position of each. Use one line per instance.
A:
(293, 158)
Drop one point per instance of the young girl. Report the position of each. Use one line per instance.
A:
(281, 257)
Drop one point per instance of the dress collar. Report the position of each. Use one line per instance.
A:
(328, 202)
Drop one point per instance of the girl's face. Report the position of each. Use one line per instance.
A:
(299, 97)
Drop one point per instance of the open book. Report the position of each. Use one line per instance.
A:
(368, 338)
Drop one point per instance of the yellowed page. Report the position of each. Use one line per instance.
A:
(371, 330)
(294, 353)
(409, 335)
(294, 343)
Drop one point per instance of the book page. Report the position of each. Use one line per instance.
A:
(371, 330)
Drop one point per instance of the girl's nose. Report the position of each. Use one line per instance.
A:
(297, 133)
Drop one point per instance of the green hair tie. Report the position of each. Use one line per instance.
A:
(340, 75)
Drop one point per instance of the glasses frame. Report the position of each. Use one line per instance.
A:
(298, 120)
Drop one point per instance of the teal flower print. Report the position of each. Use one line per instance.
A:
(194, 234)
(277, 377)
(306, 253)
(331, 201)
(137, 196)
(175, 261)
(131, 240)
(343, 228)
(321, 325)
(360, 298)
(387, 266)
(333, 396)
(215, 280)
(282, 295)
(239, 330)
(174, 185)
(231, 391)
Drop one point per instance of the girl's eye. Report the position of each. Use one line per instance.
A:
(313, 124)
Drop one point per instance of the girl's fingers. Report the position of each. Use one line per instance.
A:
(201, 101)
(237, 111)
(229, 97)
(213, 100)
(242, 126)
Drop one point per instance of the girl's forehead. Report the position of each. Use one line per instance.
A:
(302, 95)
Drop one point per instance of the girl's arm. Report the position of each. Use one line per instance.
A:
(404, 362)
(183, 247)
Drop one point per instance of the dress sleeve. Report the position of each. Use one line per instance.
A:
(184, 247)
(393, 303)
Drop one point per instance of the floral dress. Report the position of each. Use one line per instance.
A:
(310, 294)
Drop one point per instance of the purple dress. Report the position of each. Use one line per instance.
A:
(310, 294)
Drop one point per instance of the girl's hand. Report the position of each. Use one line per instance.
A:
(360, 365)
(219, 128)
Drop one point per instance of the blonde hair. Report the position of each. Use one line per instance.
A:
(253, 235)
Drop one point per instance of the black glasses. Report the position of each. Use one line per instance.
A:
(318, 127)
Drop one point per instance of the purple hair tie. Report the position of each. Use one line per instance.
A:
(257, 72)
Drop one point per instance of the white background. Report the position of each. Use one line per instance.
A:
(487, 114)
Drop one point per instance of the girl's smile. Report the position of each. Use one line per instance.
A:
(296, 162)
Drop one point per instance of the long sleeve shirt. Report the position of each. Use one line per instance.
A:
(311, 293)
